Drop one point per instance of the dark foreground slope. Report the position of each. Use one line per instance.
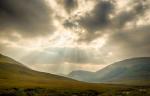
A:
(131, 71)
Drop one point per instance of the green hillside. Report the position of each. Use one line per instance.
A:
(14, 74)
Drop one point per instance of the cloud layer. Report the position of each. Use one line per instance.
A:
(75, 32)
(28, 18)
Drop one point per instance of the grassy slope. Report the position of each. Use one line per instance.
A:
(18, 80)
(15, 75)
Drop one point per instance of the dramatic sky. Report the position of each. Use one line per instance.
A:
(59, 36)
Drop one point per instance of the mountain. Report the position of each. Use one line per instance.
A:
(135, 70)
(15, 74)
(129, 71)
(18, 80)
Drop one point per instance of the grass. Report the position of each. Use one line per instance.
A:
(18, 80)
(134, 91)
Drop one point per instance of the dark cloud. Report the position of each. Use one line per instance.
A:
(98, 18)
(69, 24)
(28, 17)
(98, 22)
(130, 43)
(137, 9)
(70, 5)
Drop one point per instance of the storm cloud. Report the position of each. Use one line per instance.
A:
(70, 5)
(106, 18)
(98, 18)
(29, 18)
(137, 9)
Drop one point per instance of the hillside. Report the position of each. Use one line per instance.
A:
(18, 80)
(14, 74)
(129, 71)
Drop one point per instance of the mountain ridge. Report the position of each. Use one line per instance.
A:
(125, 70)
